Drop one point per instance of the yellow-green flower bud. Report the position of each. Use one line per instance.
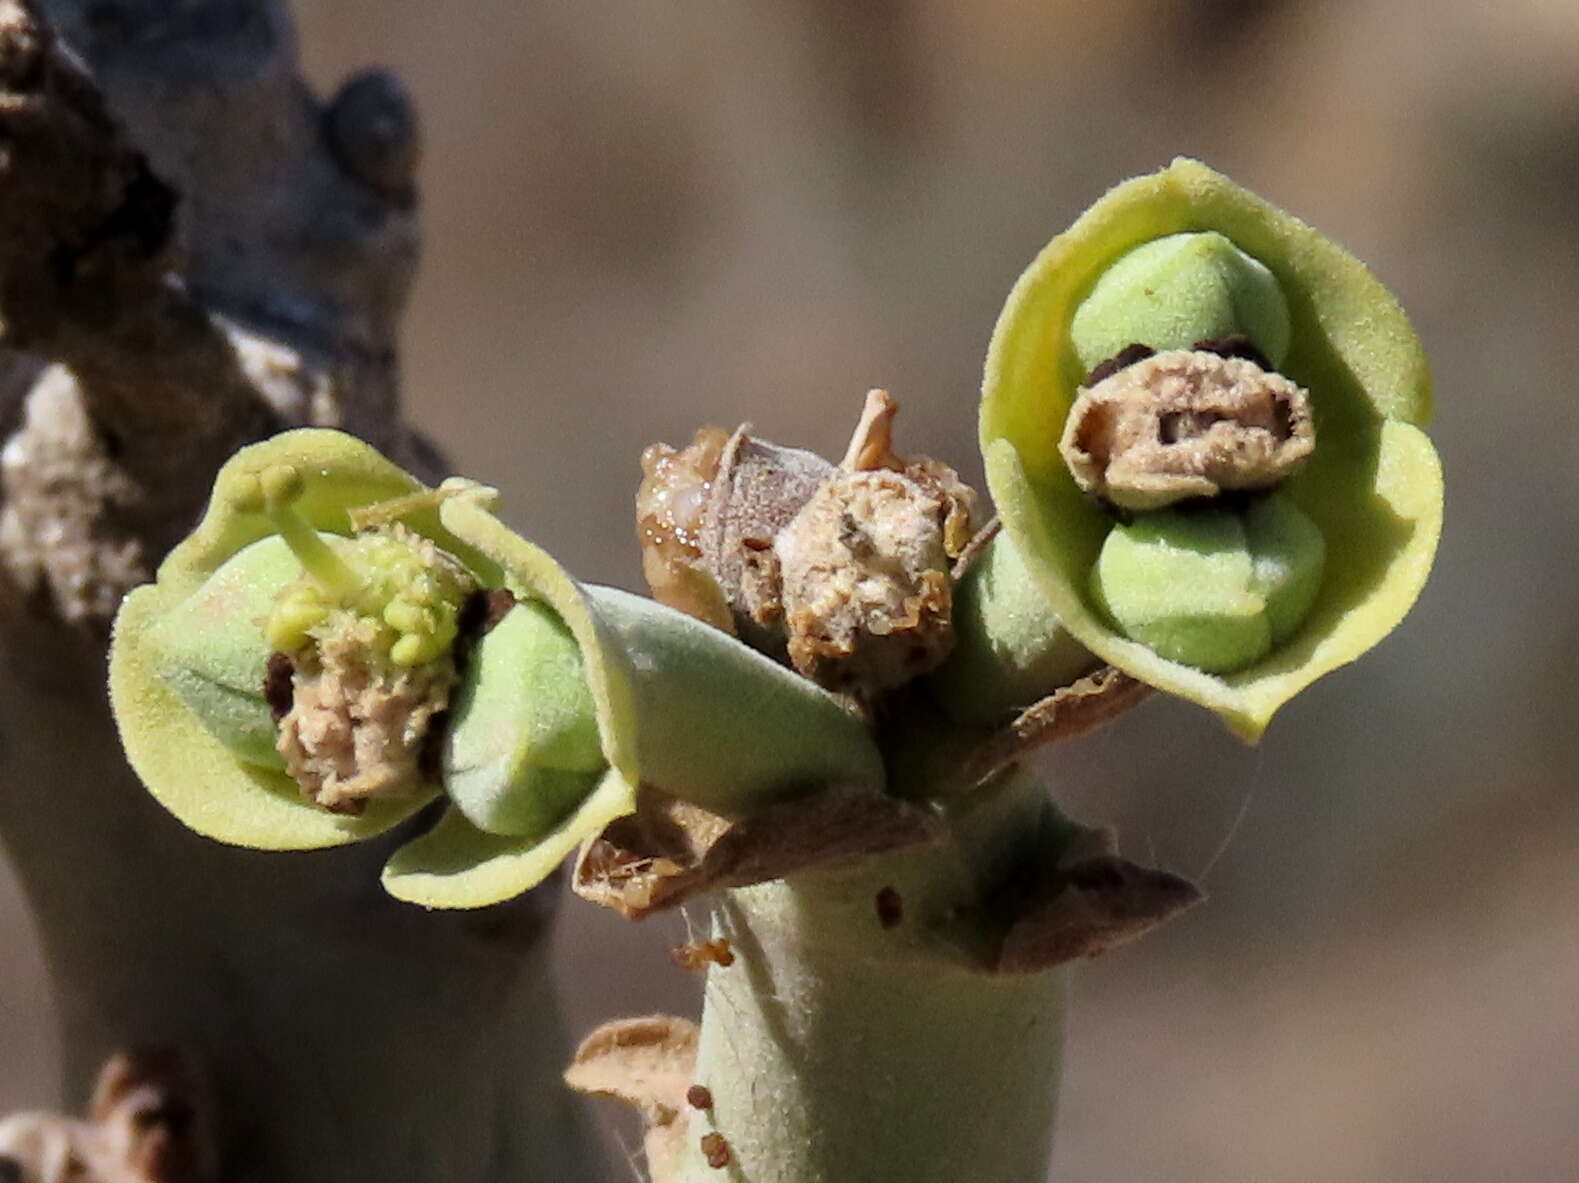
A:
(1179, 290)
(314, 541)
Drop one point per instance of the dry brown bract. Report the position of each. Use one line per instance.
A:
(151, 1121)
(648, 1063)
(1186, 424)
(356, 727)
(670, 510)
(670, 851)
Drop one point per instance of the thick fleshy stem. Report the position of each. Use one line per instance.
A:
(852, 1037)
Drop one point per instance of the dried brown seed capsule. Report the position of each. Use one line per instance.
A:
(866, 591)
(698, 955)
(699, 1096)
(1186, 424)
(759, 490)
(716, 1150)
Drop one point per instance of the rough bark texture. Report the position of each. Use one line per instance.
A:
(194, 252)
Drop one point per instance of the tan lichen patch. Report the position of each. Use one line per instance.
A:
(649, 1064)
(1186, 424)
(357, 725)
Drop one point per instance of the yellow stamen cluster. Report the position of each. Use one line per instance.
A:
(400, 580)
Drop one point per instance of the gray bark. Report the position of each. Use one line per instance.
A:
(193, 253)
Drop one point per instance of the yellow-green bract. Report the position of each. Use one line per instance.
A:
(677, 704)
(1373, 484)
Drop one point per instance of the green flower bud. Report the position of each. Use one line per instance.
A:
(1211, 588)
(219, 670)
(1009, 650)
(523, 750)
(1176, 291)
(1370, 486)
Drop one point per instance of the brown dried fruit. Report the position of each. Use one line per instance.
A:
(867, 596)
(715, 1149)
(760, 488)
(698, 955)
(1185, 424)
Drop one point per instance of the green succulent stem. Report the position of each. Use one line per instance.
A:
(837, 1049)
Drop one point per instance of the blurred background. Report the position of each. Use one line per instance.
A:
(640, 218)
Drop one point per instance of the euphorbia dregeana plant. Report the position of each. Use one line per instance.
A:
(1202, 427)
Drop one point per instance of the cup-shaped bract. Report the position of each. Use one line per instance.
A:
(1372, 484)
(188, 662)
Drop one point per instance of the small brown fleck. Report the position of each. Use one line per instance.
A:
(500, 601)
(1235, 345)
(890, 908)
(277, 689)
(699, 1096)
(698, 954)
(1125, 357)
(715, 1148)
